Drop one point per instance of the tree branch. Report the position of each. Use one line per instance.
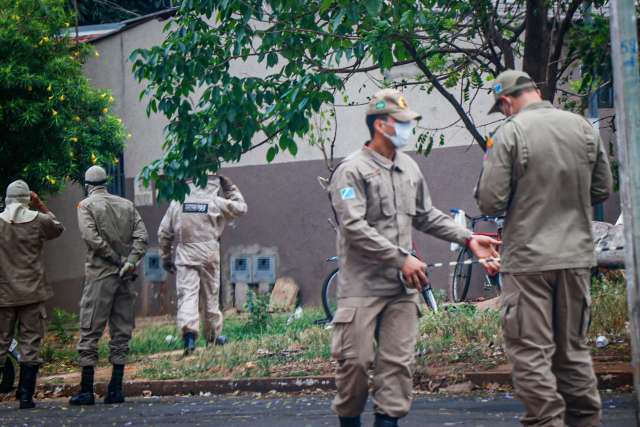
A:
(446, 94)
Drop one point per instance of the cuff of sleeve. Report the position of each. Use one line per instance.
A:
(464, 238)
(400, 258)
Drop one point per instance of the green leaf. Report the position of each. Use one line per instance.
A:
(272, 59)
(373, 7)
(293, 148)
(271, 153)
(325, 5)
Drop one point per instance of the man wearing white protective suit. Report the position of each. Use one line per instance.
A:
(195, 227)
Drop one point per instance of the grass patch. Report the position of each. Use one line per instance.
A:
(460, 334)
(609, 309)
(263, 344)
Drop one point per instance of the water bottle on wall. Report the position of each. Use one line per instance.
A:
(459, 217)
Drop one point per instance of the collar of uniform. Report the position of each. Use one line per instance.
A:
(537, 105)
(379, 158)
(98, 189)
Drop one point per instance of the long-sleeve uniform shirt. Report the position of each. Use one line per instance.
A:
(546, 169)
(22, 275)
(113, 231)
(377, 201)
(196, 225)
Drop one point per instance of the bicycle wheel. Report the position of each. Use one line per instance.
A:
(461, 276)
(329, 294)
(430, 299)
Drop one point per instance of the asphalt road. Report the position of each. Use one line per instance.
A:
(284, 411)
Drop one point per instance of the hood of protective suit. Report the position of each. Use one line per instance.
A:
(17, 200)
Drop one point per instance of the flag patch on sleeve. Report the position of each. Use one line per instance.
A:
(347, 193)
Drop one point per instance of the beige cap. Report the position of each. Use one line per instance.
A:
(95, 175)
(507, 83)
(393, 103)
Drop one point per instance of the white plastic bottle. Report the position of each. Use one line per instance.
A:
(459, 217)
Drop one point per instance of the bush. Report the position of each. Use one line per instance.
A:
(63, 324)
(609, 309)
(258, 307)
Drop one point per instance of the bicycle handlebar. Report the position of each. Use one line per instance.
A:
(487, 218)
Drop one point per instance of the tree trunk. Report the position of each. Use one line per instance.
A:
(536, 43)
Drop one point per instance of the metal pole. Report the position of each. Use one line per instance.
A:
(593, 112)
(626, 78)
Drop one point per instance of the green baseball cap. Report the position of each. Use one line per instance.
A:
(393, 103)
(508, 82)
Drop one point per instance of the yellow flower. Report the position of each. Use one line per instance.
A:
(51, 180)
(76, 118)
(97, 54)
(119, 119)
(129, 136)
(105, 110)
(29, 88)
(51, 97)
(73, 139)
(94, 159)
(102, 95)
(66, 24)
(61, 98)
(49, 88)
(111, 99)
(54, 112)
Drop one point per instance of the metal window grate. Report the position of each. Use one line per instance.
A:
(116, 174)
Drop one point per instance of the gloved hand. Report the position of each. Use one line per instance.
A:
(226, 183)
(37, 203)
(169, 267)
(127, 268)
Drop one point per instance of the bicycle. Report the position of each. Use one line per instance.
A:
(463, 270)
(329, 288)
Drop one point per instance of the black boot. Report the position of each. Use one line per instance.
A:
(85, 397)
(114, 390)
(350, 422)
(385, 421)
(189, 339)
(27, 386)
(220, 340)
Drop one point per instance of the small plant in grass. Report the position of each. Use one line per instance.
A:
(259, 316)
(63, 324)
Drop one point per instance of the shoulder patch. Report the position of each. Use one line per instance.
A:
(347, 193)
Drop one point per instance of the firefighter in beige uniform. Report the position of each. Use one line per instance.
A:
(546, 169)
(23, 285)
(378, 195)
(195, 227)
(116, 240)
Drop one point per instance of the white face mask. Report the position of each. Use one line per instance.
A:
(404, 130)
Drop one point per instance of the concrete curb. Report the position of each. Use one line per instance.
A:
(610, 378)
(607, 379)
(221, 386)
